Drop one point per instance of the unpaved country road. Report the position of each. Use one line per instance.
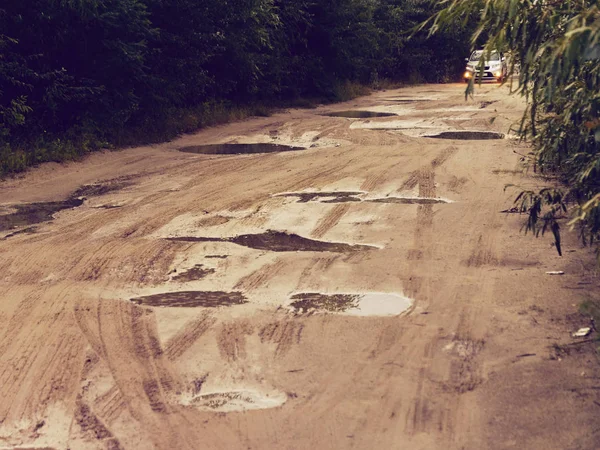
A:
(470, 349)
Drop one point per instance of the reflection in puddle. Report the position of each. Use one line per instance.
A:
(359, 114)
(468, 135)
(277, 241)
(192, 299)
(32, 213)
(370, 304)
(238, 400)
(238, 149)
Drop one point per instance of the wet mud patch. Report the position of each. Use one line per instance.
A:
(369, 304)
(359, 114)
(238, 149)
(324, 197)
(238, 400)
(28, 230)
(195, 273)
(32, 213)
(467, 135)
(277, 241)
(192, 299)
(101, 188)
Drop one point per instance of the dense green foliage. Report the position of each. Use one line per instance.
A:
(76, 75)
(557, 46)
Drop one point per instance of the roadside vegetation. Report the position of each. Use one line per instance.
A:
(79, 75)
(555, 45)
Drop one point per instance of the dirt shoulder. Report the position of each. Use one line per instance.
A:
(362, 291)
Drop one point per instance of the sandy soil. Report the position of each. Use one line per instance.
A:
(477, 354)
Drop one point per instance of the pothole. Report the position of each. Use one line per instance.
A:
(195, 273)
(277, 241)
(33, 213)
(342, 197)
(238, 149)
(192, 299)
(325, 197)
(468, 135)
(408, 200)
(369, 304)
(238, 400)
(359, 114)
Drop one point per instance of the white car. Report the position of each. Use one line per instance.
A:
(494, 67)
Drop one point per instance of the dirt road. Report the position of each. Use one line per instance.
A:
(362, 291)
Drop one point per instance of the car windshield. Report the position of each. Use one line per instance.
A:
(477, 55)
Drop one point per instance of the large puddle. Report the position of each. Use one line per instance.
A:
(33, 213)
(277, 241)
(195, 273)
(324, 197)
(370, 304)
(238, 400)
(468, 135)
(408, 200)
(359, 114)
(238, 149)
(348, 196)
(192, 299)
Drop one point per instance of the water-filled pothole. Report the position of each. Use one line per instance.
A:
(408, 200)
(238, 400)
(195, 273)
(192, 299)
(359, 114)
(238, 149)
(277, 241)
(33, 213)
(325, 197)
(468, 135)
(369, 304)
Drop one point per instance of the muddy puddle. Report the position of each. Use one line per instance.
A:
(359, 114)
(238, 149)
(192, 299)
(324, 197)
(343, 197)
(32, 213)
(408, 200)
(238, 400)
(369, 304)
(467, 135)
(195, 273)
(277, 241)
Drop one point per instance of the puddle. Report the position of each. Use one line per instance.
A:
(330, 197)
(217, 256)
(277, 241)
(468, 135)
(239, 400)
(32, 213)
(192, 299)
(370, 304)
(359, 114)
(409, 200)
(195, 273)
(238, 149)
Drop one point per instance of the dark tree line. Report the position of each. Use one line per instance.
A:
(76, 75)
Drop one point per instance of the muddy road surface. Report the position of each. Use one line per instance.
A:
(354, 286)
